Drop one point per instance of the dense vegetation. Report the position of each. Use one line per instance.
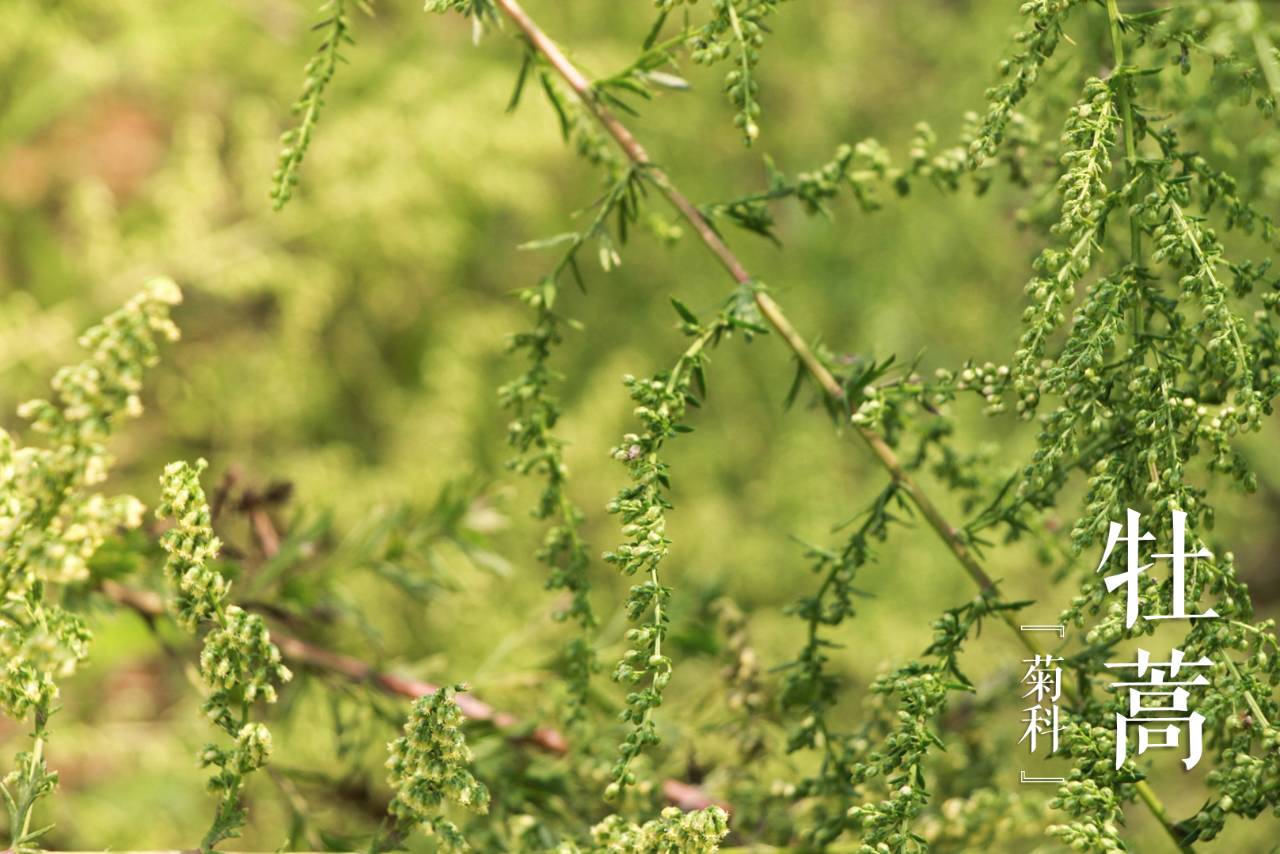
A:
(767, 595)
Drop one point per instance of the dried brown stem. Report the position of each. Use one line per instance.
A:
(150, 606)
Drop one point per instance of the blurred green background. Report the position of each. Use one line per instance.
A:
(352, 345)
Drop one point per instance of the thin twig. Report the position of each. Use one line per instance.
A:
(149, 606)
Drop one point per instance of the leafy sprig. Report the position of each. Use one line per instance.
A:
(53, 521)
(428, 768)
(319, 73)
(662, 401)
(238, 662)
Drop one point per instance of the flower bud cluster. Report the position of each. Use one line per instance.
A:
(429, 768)
(735, 32)
(1036, 43)
(198, 590)
(673, 832)
(52, 524)
(662, 401)
(1089, 136)
(239, 664)
(922, 691)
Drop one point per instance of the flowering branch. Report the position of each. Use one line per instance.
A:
(52, 523)
(239, 663)
(772, 313)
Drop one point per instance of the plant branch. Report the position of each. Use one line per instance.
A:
(150, 606)
(770, 309)
(1130, 139)
(1144, 791)
(772, 312)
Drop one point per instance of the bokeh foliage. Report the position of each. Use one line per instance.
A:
(351, 345)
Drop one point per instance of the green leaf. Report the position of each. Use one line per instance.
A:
(548, 242)
(655, 30)
(684, 312)
(521, 78)
(667, 81)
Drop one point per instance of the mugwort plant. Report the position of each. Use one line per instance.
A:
(1146, 360)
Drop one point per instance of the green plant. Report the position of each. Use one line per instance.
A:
(1132, 362)
(1146, 357)
(239, 664)
(428, 767)
(319, 74)
(54, 521)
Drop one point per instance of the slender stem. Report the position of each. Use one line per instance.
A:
(1130, 150)
(37, 762)
(299, 652)
(1154, 804)
(1207, 264)
(1259, 715)
(1126, 106)
(772, 312)
(685, 359)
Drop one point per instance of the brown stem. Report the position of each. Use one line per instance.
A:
(264, 531)
(150, 605)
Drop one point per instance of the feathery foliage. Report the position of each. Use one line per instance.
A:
(53, 520)
(1142, 370)
(238, 663)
